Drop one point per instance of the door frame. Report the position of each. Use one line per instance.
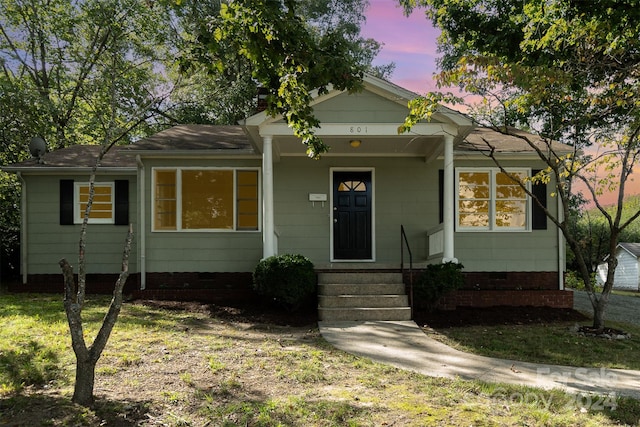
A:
(373, 212)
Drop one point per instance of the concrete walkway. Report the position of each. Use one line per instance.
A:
(405, 345)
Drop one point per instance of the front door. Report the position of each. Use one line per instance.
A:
(352, 215)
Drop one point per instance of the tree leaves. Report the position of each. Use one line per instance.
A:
(288, 58)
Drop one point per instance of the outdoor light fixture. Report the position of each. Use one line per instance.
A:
(355, 143)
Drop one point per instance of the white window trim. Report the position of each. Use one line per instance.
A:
(78, 214)
(492, 201)
(179, 228)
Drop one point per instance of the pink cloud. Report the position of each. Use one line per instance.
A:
(409, 42)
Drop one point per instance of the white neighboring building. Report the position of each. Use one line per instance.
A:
(628, 272)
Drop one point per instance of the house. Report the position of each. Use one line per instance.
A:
(627, 275)
(208, 202)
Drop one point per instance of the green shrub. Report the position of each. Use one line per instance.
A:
(436, 281)
(290, 280)
(573, 280)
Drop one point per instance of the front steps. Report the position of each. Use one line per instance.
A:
(362, 296)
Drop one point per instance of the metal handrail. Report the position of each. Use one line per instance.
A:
(404, 241)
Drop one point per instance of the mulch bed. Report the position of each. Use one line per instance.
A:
(469, 316)
(261, 313)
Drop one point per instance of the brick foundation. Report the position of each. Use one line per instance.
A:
(54, 283)
(205, 287)
(519, 280)
(482, 289)
(515, 298)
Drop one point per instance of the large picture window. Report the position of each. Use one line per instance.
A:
(205, 199)
(489, 199)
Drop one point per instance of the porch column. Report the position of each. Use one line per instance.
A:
(268, 226)
(448, 201)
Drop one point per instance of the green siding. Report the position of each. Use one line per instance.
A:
(364, 107)
(405, 192)
(189, 251)
(48, 241)
(402, 195)
(535, 250)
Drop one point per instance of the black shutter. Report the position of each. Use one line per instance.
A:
(441, 196)
(539, 218)
(121, 205)
(66, 202)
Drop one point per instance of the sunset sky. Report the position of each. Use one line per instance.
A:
(410, 42)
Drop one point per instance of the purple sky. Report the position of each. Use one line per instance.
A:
(410, 42)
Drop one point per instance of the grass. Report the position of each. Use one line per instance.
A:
(176, 368)
(556, 344)
(635, 294)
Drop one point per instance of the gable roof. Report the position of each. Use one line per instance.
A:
(191, 140)
(632, 248)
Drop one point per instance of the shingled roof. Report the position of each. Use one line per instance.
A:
(211, 139)
(181, 138)
(511, 141)
(194, 138)
(79, 156)
(632, 248)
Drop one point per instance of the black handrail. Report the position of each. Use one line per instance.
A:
(403, 242)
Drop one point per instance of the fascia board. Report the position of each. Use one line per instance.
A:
(69, 171)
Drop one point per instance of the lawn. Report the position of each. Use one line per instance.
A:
(193, 367)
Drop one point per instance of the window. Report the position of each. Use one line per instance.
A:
(489, 199)
(110, 202)
(102, 211)
(205, 199)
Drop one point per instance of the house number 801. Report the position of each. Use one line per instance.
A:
(358, 129)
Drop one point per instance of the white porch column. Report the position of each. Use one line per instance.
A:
(268, 225)
(449, 200)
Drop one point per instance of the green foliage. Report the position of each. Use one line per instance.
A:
(564, 70)
(574, 281)
(290, 280)
(436, 281)
(590, 228)
(9, 224)
(288, 57)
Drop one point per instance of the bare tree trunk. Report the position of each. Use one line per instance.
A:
(87, 357)
(85, 380)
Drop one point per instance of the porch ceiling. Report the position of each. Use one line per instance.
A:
(398, 145)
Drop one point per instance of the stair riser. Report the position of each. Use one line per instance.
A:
(361, 289)
(370, 314)
(370, 301)
(357, 278)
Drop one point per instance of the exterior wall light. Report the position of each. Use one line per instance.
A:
(355, 143)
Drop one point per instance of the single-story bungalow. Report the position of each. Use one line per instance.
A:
(209, 202)
(627, 275)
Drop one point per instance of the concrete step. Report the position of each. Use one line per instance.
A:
(361, 289)
(362, 296)
(358, 277)
(369, 301)
(361, 314)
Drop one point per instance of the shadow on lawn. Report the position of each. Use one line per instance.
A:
(32, 365)
(50, 408)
